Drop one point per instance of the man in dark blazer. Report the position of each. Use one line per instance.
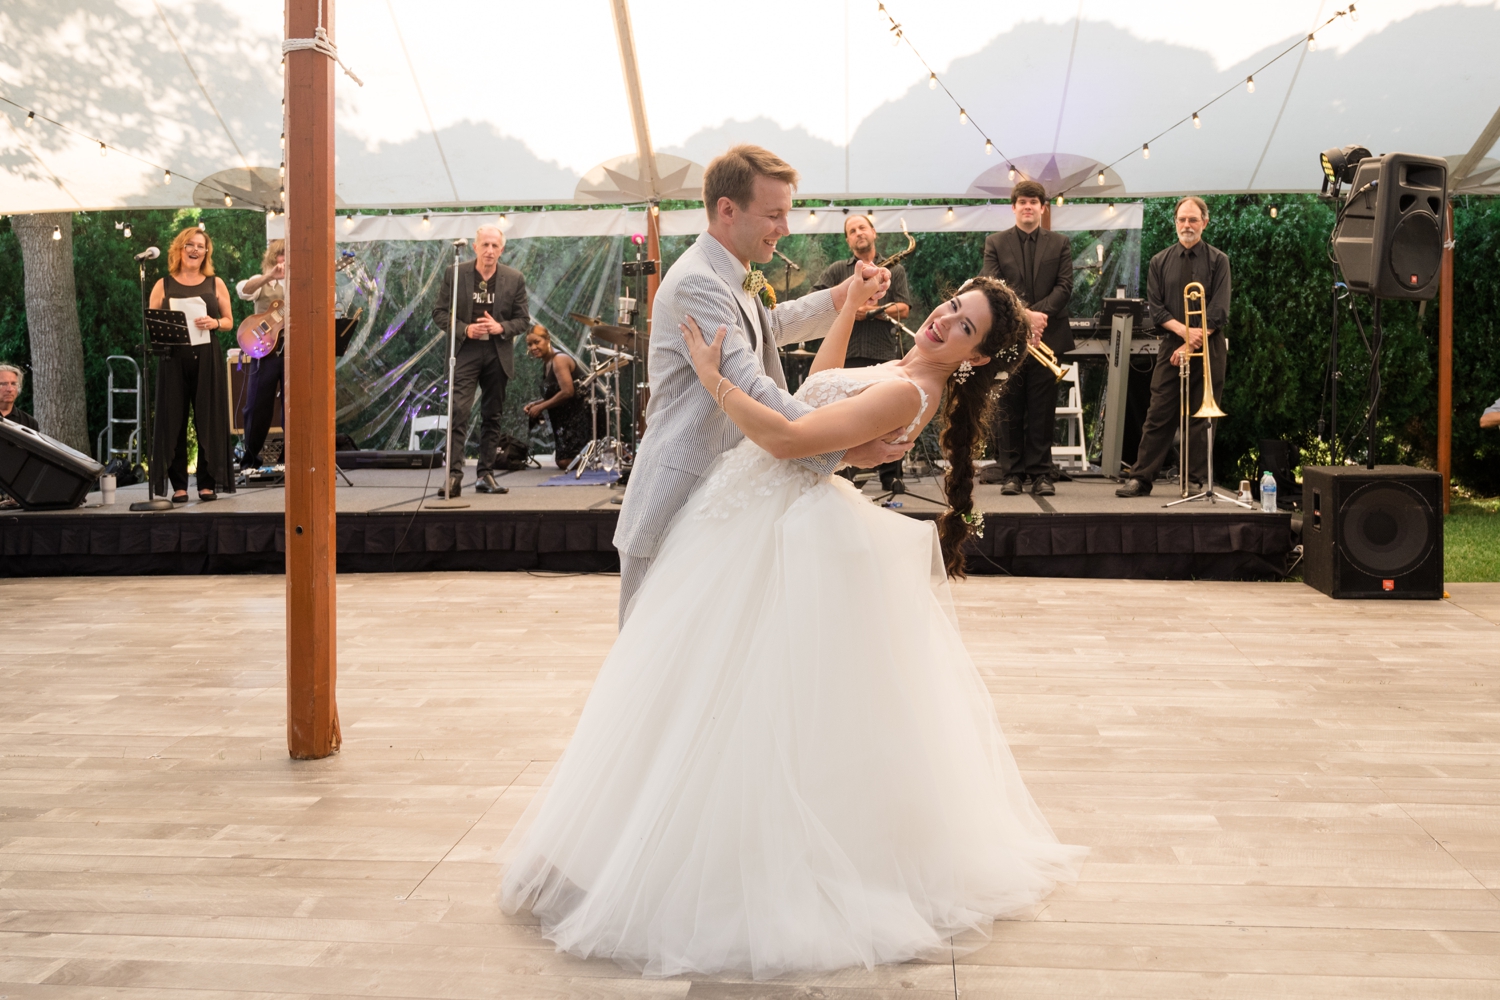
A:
(491, 314)
(1038, 264)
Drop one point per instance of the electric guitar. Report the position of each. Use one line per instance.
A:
(259, 333)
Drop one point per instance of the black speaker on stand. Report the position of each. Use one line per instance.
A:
(1373, 533)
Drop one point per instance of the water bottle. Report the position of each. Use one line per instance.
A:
(1268, 493)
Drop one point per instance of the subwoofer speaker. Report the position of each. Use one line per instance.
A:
(1373, 533)
(42, 473)
(1389, 240)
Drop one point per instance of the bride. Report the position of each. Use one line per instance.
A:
(788, 761)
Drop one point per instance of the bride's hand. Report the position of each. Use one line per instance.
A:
(705, 356)
(867, 284)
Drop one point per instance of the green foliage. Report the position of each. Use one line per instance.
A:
(1471, 542)
(108, 288)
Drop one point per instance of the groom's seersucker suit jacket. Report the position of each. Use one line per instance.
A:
(685, 429)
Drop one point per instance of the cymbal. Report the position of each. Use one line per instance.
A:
(801, 353)
(620, 336)
(586, 320)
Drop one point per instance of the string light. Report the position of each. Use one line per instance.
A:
(1273, 211)
(1059, 200)
(30, 118)
(932, 81)
(989, 147)
(1312, 43)
(1197, 122)
(103, 149)
(127, 230)
(270, 215)
(1249, 84)
(283, 136)
(283, 171)
(1145, 150)
(949, 216)
(1353, 14)
(1110, 210)
(228, 201)
(812, 216)
(1011, 173)
(166, 176)
(1101, 178)
(57, 232)
(963, 117)
(426, 219)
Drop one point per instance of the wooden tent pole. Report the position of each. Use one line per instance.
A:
(312, 714)
(1445, 363)
(653, 252)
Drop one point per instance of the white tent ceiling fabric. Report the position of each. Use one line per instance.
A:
(525, 103)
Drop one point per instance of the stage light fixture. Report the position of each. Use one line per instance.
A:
(57, 232)
(1197, 122)
(30, 118)
(932, 81)
(1249, 84)
(989, 147)
(1101, 178)
(1145, 150)
(963, 117)
(1339, 165)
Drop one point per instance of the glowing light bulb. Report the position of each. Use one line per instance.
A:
(932, 81)
(103, 149)
(166, 176)
(949, 216)
(426, 220)
(283, 137)
(1110, 210)
(1101, 178)
(1145, 150)
(57, 232)
(1249, 84)
(989, 147)
(812, 217)
(127, 232)
(1353, 14)
(30, 118)
(1273, 211)
(270, 214)
(1312, 43)
(1011, 173)
(348, 222)
(963, 117)
(1197, 122)
(1059, 200)
(228, 201)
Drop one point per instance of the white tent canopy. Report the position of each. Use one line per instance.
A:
(521, 103)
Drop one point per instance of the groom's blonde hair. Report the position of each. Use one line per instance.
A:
(732, 175)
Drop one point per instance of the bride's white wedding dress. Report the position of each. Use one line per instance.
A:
(788, 761)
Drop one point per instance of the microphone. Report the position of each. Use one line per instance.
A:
(791, 265)
(150, 253)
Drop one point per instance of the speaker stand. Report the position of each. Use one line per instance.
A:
(1377, 341)
(1209, 494)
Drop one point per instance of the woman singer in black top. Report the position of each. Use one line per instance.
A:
(571, 425)
(193, 375)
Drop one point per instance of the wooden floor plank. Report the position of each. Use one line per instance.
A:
(1284, 795)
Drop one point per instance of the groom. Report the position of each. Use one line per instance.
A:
(748, 195)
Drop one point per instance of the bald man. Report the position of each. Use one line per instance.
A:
(491, 314)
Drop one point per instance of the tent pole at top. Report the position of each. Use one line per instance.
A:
(312, 713)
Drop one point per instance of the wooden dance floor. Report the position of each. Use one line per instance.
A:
(1285, 796)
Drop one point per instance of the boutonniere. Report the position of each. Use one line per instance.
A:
(754, 281)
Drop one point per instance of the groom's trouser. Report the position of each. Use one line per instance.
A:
(632, 572)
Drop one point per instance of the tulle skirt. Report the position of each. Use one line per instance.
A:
(788, 761)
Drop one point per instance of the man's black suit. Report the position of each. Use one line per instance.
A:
(1039, 266)
(483, 364)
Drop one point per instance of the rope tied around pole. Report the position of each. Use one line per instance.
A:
(320, 43)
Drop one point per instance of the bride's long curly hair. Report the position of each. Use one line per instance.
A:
(968, 406)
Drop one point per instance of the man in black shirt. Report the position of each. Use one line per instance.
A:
(492, 312)
(11, 379)
(874, 339)
(1038, 264)
(1188, 260)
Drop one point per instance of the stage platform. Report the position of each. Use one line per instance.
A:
(385, 525)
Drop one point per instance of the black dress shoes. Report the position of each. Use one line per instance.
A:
(1011, 487)
(487, 484)
(1042, 486)
(1134, 488)
(455, 487)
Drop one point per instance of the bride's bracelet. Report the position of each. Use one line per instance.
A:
(717, 386)
(732, 388)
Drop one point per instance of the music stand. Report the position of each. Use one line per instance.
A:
(162, 330)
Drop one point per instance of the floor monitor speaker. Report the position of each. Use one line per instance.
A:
(1373, 533)
(42, 473)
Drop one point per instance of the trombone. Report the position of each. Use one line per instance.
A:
(1193, 307)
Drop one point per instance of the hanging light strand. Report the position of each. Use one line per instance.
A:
(934, 81)
(105, 147)
(1248, 82)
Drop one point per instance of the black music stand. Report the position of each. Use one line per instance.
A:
(162, 330)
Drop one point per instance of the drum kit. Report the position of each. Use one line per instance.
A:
(611, 350)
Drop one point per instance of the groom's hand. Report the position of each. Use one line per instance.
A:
(861, 270)
(877, 452)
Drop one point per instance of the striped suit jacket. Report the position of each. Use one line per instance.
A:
(685, 429)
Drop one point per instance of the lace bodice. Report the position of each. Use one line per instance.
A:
(747, 471)
(834, 384)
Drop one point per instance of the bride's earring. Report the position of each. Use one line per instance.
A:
(964, 371)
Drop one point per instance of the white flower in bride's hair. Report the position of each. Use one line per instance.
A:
(964, 371)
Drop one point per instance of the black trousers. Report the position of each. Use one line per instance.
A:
(1164, 414)
(262, 384)
(1026, 421)
(478, 368)
(889, 469)
(191, 365)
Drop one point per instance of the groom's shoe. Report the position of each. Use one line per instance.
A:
(1134, 488)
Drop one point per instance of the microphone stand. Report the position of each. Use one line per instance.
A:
(148, 424)
(447, 502)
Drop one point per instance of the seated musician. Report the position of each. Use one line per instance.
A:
(561, 401)
(266, 376)
(1189, 259)
(11, 380)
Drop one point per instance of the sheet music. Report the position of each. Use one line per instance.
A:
(192, 309)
